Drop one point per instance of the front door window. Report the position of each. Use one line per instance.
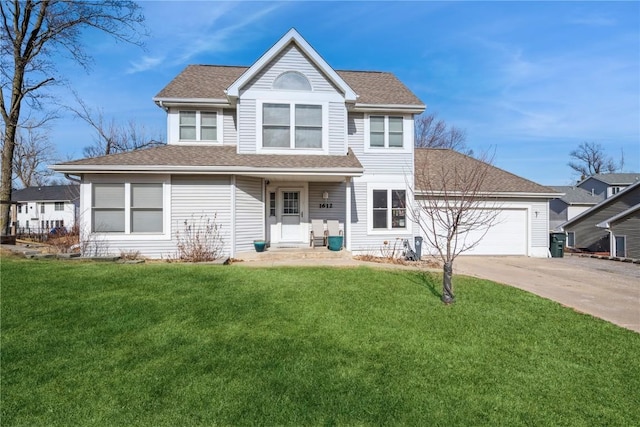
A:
(291, 203)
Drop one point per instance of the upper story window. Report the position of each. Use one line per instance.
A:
(288, 125)
(19, 208)
(59, 206)
(42, 209)
(198, 126)
(614, 190)
(291, 80)
(386, 131)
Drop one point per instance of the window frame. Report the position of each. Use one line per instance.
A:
(58, 206)
(407, 132)
(127, 234)
(219, 123)
(569, 238)
(292, 149)
(390, 189)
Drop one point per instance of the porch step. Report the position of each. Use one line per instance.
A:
(290, 253)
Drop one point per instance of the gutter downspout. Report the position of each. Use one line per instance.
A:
(70, 178)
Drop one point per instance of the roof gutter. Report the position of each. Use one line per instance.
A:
(488, 194)
(195, 102)
(79, 169)
(405, 108)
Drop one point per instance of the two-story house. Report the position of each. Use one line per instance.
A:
(605, 185)
(39, 209)
(264, 150)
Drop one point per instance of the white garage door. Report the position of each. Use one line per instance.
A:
(507, 237)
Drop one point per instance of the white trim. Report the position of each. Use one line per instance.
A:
(192, 102)
(607, 222)
(165, 180)
(233, 216)
(291, 149)
(173, 124)
(292, 36)
(388, 108)
(388, 186)
(407, 135)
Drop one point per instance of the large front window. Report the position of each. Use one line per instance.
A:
(389, 209)
(291, 126)
(142, 204)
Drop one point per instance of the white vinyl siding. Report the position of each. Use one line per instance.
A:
(249, 213)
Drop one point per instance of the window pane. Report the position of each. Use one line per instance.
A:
(398, 198)
(108, 220)
(291, 80)
(188, 118)
(380, 218)
(276, 137)
(308, 138)
(208, 134)
(309, 115)
(379, 199)
(276, 114)
(377, 140)
(395, 140)
(108, 195)
(376, 123)
(395, 124)
(208, 119)
(187, 132)
(146, 221)
(146, 196)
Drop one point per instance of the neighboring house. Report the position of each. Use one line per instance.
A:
(521, 227)
(606, 185)
(613, 225)
(39, 209)
(264, 150)
(574, 201)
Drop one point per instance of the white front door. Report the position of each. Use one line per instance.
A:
(290, 215)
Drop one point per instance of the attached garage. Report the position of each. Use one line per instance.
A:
(507, 237)
(522, 206)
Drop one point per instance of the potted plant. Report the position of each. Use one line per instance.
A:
(260, 245)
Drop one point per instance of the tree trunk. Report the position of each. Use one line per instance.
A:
(5, 187)
(447, 288)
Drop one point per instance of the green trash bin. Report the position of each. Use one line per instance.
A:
(556, 244)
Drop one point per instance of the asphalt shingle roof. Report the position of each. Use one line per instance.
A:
(616, 178)
(50, 193)
(430, 162)
(576, 195)
(211, 81)
(221, 156)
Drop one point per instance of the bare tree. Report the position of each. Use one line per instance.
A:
(32, 35)
(431, 132)
(110, 137)
(452, 206)
(589, 159)
(33, 152)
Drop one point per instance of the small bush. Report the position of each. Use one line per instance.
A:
(200, 240)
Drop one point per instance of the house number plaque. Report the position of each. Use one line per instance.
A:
(326, 205)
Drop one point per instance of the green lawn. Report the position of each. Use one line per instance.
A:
(92, 344)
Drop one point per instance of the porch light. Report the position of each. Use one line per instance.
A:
(325, 195)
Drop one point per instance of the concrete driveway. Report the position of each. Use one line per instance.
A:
(606, 289)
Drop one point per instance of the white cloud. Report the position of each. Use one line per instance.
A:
(145, 63)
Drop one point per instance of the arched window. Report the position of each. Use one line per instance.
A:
(291, 80)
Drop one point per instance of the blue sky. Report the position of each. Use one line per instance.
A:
(527, 80)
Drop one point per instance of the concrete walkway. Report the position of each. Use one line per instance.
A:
(606, 289)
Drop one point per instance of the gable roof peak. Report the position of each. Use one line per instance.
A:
(292, 36)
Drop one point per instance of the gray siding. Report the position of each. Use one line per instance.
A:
(629, 227)
(590, 237)
(249, 215)
(595, 187)
(291, 58)
(337, 130)
(196, 199)
(376, 163)
(539, 225)
(247, 126)
(230, 128)
(337, 201)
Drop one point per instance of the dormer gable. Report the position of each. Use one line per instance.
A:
(291, 40)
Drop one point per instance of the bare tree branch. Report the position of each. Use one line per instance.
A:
(589, 159)
(32, 32)
(431, 132)
(452, 206)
